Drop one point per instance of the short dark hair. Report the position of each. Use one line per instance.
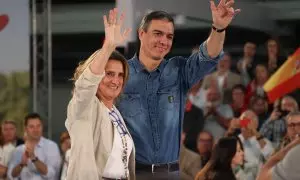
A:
(155, 15)
(239, 86)
(31, 116)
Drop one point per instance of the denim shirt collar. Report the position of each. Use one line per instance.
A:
(138, 66)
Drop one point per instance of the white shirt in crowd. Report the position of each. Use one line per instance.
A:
(5, 155)
(65, 165)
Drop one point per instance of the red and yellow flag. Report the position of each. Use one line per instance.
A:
(286, 79)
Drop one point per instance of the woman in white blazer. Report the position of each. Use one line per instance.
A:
(102, 147)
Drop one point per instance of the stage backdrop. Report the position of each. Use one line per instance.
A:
(14, 60)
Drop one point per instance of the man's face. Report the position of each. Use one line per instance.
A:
(224, 64)
(9, 132)
(293, 127)
(238, 95)
(249, 49)
(288, 104)
(212, 95)
(157, 40)
(34, 129)
(204, 143)
(260, 106)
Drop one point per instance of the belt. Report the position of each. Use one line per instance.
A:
(114, 178)
(153, 168)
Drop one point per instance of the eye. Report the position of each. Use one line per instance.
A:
(110, 74)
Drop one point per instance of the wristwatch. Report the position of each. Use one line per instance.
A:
(218, 30)
(34, 159)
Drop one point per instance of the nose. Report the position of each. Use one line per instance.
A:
(163, 40)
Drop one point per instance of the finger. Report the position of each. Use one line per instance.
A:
(105, 21)
(115, 16)
(213, 6)
(237, 11)
(126, 33)
(121, 20)
(229, 4)
(222, 3)
(110, 17)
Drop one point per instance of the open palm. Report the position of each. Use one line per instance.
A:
(113, 28)
(223, 13)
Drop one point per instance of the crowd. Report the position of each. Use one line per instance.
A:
(231, 102)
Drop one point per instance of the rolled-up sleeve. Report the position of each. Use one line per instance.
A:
(268, 150)
(199, 64)
(84, 91)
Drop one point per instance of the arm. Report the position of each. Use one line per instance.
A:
(51, 166)
(87, 84)
(16, 164)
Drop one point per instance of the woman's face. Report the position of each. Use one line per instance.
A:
(238, 158)
(272, 47)
(112, 83)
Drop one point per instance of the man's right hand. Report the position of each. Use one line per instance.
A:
(275, 115)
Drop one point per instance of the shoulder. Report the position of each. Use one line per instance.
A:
(49, 142)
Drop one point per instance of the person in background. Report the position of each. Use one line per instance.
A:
(227, 156)
(247, 63)
(239, 103)
(38, 158)
(223, 78)
(274, 57)
(275, 127)
(260, 106)
(65, 145)
(205, 143)
(6, 150)
(189, 161)
(9, 133)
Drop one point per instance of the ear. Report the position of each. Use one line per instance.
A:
(141, 32)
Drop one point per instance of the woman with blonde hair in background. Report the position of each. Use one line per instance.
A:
(101, 146)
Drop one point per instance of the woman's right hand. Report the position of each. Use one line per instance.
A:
(112, 27)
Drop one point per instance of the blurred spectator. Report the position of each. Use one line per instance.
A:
(227, 156)
(247, 62)
(9, 133)
(260, 105)
(275, 126)
(293, 129)
(223, 78)
(217, 116)
(274, 58)
(6, 150)
(65, 142)
(196, 96)
(255, 87)
(38, 158)
(65, 145)
(238, 104)
(205, 142)
(257, 148)
(284, 165)
(189, 161)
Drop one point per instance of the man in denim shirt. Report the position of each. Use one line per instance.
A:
(154, 97)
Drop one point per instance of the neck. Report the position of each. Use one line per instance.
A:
(149, 63)
(108, 103)
(33, 141)
(222, 72)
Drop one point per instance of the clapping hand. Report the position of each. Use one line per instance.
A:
(223, 14)
(112, 27)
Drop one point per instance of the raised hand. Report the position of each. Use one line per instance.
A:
(113, 28)
(223, 13)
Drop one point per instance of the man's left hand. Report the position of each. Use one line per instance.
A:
(223, 13)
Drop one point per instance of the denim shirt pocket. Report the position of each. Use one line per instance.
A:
(167, 98)
(130, 104)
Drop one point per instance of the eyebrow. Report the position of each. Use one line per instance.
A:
(159, 31)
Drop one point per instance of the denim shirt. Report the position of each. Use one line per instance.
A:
(152, 103)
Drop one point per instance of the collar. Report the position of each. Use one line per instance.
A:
(41, 142)
(138, 66)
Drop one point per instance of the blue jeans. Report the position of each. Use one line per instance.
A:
(142, 175)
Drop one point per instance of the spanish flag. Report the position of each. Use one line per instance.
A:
(286, 79)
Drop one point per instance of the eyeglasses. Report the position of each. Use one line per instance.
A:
(117, 122)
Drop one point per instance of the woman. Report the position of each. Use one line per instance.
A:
(5, 156)
(101, 147)
(65, 145)
(226, 160)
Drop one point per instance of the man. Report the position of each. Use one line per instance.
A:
(247, 63)
(285, 163)
(224, 78)
(190, 162)
(9, 133)
(38, 158)
(275, 126)
(217, 115)
(154, 97)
